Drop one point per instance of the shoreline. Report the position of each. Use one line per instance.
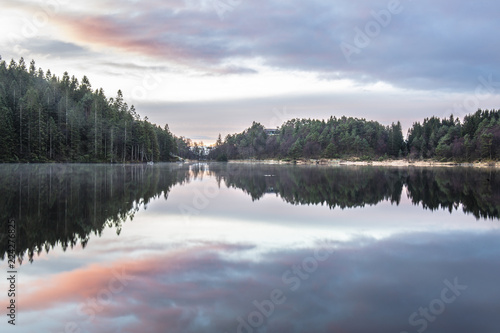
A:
(388, 163)
(324, 162)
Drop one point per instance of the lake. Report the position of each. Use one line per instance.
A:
(250, 248)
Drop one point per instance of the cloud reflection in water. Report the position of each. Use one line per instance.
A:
(366, 285)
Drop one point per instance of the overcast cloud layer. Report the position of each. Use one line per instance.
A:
(216, 50)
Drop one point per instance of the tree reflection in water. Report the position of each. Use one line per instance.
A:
(62, 204)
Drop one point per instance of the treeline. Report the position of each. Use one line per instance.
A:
(189, 149)
(47, 118)
(306, 138)
(476, 138)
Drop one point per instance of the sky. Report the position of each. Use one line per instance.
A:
(214, 66)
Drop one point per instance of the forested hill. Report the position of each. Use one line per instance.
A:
(297, 138)
(476, 138)
(47, 118)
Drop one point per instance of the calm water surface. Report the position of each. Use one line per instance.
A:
(252, 248)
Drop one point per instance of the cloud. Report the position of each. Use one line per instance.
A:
(437, 50)
(54, 48)
(426, 45)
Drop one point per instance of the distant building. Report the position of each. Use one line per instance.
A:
(271, 131)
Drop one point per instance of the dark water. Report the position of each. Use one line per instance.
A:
(252, 248)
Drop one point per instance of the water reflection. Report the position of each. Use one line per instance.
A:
(64, 204)
(433, 188)
(216, 273)
(362, 286)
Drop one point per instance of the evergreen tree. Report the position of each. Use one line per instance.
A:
(45, 118)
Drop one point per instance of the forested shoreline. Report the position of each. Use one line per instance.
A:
(476, 138)
(45, 118)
